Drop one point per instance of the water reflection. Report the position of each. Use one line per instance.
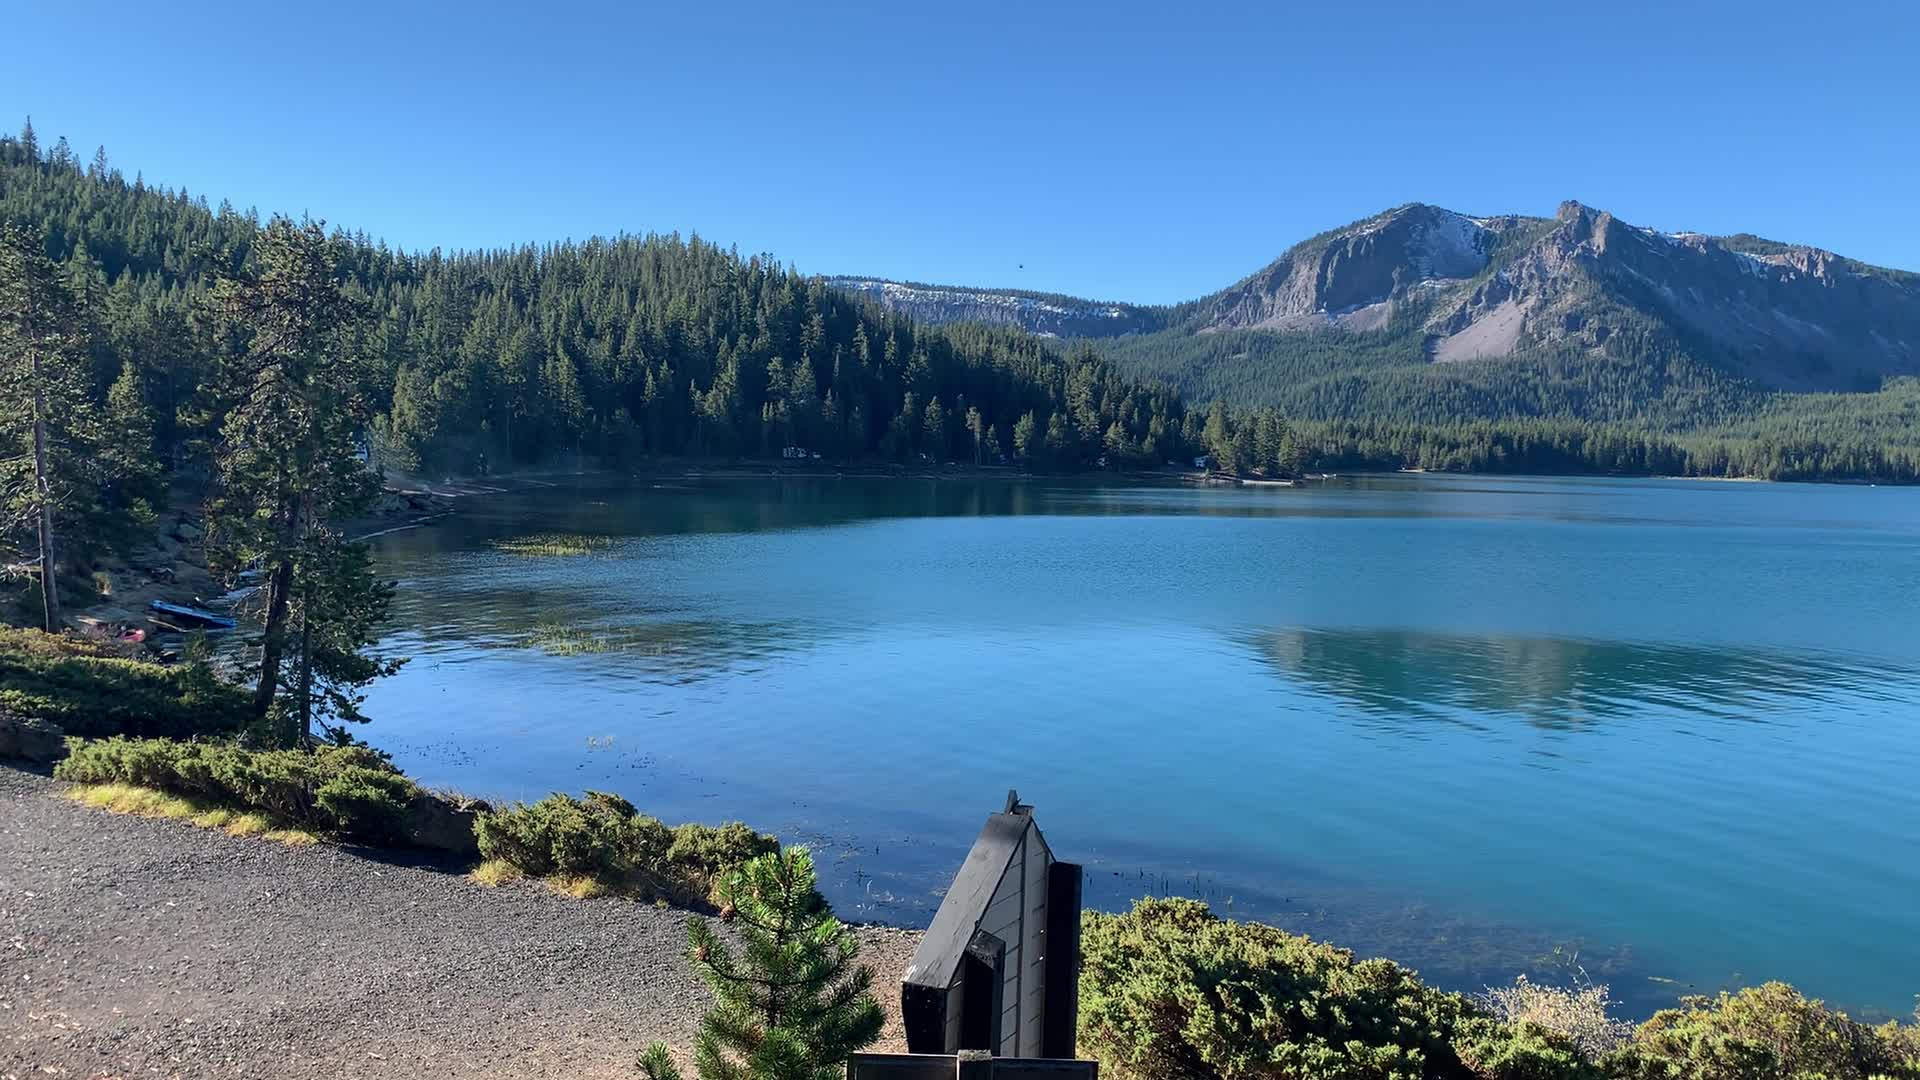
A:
(1401, 677)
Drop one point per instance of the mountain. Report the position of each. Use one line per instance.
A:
(1423, 310)
(1046, 314)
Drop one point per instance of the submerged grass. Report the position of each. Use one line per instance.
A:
(150, 803)
(552, 545)
(559, 639)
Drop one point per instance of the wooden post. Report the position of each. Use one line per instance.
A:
(1061, 1030)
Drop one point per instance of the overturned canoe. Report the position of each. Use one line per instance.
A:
(192, 617)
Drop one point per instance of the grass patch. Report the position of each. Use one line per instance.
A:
(292, 837)
(553, 545)
(495, 872)
(139, 801)
(149, 803)
(248, 825)
(579, 886)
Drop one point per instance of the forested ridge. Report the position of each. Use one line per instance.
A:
(605, 350)
(608, 351)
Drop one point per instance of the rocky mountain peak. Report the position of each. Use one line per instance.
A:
(1351, 276)
(1786, 316)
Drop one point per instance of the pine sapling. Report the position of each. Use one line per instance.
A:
(790, 1002)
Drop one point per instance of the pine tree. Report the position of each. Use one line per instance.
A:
(49, 437)
(137, 484)
(1060, 439)
(286, 463)
(936, 431)
(338, 611)
(1023, 436)
(793, 1004)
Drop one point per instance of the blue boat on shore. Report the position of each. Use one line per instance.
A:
(190, 618)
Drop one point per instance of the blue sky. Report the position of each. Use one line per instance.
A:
(1122, 151)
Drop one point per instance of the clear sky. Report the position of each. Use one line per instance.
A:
(1114, 150)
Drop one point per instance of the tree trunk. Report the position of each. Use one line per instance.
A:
(43, 491)
(279, 585)
(306, 667)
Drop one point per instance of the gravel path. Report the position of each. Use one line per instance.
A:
(136, 948)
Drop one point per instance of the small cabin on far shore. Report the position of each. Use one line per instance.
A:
(999, 968)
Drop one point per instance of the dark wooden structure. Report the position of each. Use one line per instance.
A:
(999, 969)
(966, 1067)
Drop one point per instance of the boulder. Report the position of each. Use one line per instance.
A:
(441, 824)
(31, 739)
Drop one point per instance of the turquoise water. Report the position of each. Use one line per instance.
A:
(1664, 732)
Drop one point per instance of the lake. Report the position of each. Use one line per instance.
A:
(1665, 733)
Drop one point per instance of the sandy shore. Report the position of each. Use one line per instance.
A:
(134, 948)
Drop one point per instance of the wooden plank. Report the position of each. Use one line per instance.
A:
(1063, 960)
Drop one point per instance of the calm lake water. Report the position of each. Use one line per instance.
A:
(1668, 732)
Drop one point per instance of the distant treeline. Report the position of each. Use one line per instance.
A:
(1554, 447)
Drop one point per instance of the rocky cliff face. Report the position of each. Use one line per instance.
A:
(1788, 317)
(1353, 277)
(1793, 318)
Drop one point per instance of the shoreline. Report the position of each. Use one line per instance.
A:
(754, 468)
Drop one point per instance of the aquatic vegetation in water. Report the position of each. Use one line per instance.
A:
(559, 639)
(553, 545)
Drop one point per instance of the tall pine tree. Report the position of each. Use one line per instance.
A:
(50, 471)
(286, 462)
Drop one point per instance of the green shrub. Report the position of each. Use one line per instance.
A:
(1168, 991)
(79, 686)
(350, 791)
(197, 770)
(1520, 1051)
(1903, 1040)
(603, 836)
(708, 852)
(535, 837)
(1763, 1031)
(369, 804)
(142, 762)
(355, 757)
(281, 782)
